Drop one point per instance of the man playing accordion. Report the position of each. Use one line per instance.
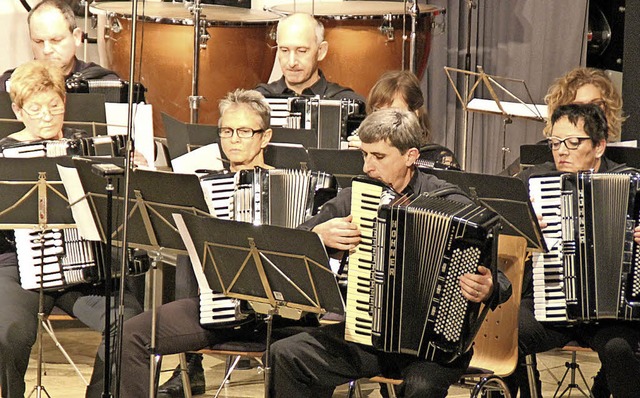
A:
(313, 363)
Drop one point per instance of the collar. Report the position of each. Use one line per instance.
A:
(317, 88)
(412, 186)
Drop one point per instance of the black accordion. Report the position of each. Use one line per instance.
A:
(101, 145)
(592, 269)
(116, 91)
(403, 292)
(57, 259)
(259, 196)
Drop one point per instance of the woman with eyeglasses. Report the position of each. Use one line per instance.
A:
(38, 101)
(577, 138)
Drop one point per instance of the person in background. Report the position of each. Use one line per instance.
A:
(37, 95)
(587, 86)
(301, 46)
(56, 37)
(578, 138)
(401, 89)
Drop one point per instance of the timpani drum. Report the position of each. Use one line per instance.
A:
(239, 54)
(366, 38)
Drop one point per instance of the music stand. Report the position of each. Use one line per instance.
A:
(506, 196)
(494, 105)
(286, 156)
(261, 264)
(342, 164)
(152, 201)
(34, 198)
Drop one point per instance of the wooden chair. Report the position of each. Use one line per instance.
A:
(495, 347)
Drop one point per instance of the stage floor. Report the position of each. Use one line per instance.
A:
(60, 380)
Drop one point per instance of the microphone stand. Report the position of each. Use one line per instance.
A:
(130, 145)
(414, 12)
(467, 66)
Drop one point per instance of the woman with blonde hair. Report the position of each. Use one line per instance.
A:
(583, 86)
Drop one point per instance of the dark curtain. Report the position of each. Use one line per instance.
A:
(532, 40)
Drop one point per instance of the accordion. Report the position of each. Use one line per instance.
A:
(276, 197)
(334, 120)
(102, 145)
(403, 292)
(57, 259)
(284, 198)
(116, 91)
(592, 269)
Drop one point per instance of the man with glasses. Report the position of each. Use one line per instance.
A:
(56, 37)
(578, 138)
(37, 96)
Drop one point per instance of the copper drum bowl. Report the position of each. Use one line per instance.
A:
(366, 38)
(239, 54)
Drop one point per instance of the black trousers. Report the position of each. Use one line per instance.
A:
(19, 323)
(615, 342)
(312, 364)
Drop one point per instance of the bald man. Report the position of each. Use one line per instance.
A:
(301, 46)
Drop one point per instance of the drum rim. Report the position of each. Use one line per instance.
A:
(188, 21)
(432, 10)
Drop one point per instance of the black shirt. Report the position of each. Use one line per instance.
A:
(322, 88)
(96, 71)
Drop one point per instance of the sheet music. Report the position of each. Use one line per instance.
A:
(117, 116)
(206, 157)
(80, 209)
(511, 108)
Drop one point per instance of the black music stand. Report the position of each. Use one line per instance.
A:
(506, 196)
(154, 197)
(261, 264)
(342, 164)
(33, 197)
(78, 108)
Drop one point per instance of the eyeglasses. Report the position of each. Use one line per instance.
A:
(571, 143)
(241, 132)
(38, 111)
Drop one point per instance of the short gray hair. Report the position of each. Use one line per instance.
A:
(319, 27)
(252, 99)
(401, 128)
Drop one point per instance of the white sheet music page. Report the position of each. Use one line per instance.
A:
(514, 109)
(206, 157)
(80, 208)
(117, 115)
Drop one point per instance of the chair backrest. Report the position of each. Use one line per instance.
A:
(496, 344)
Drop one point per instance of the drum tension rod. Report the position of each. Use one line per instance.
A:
(386, 28)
